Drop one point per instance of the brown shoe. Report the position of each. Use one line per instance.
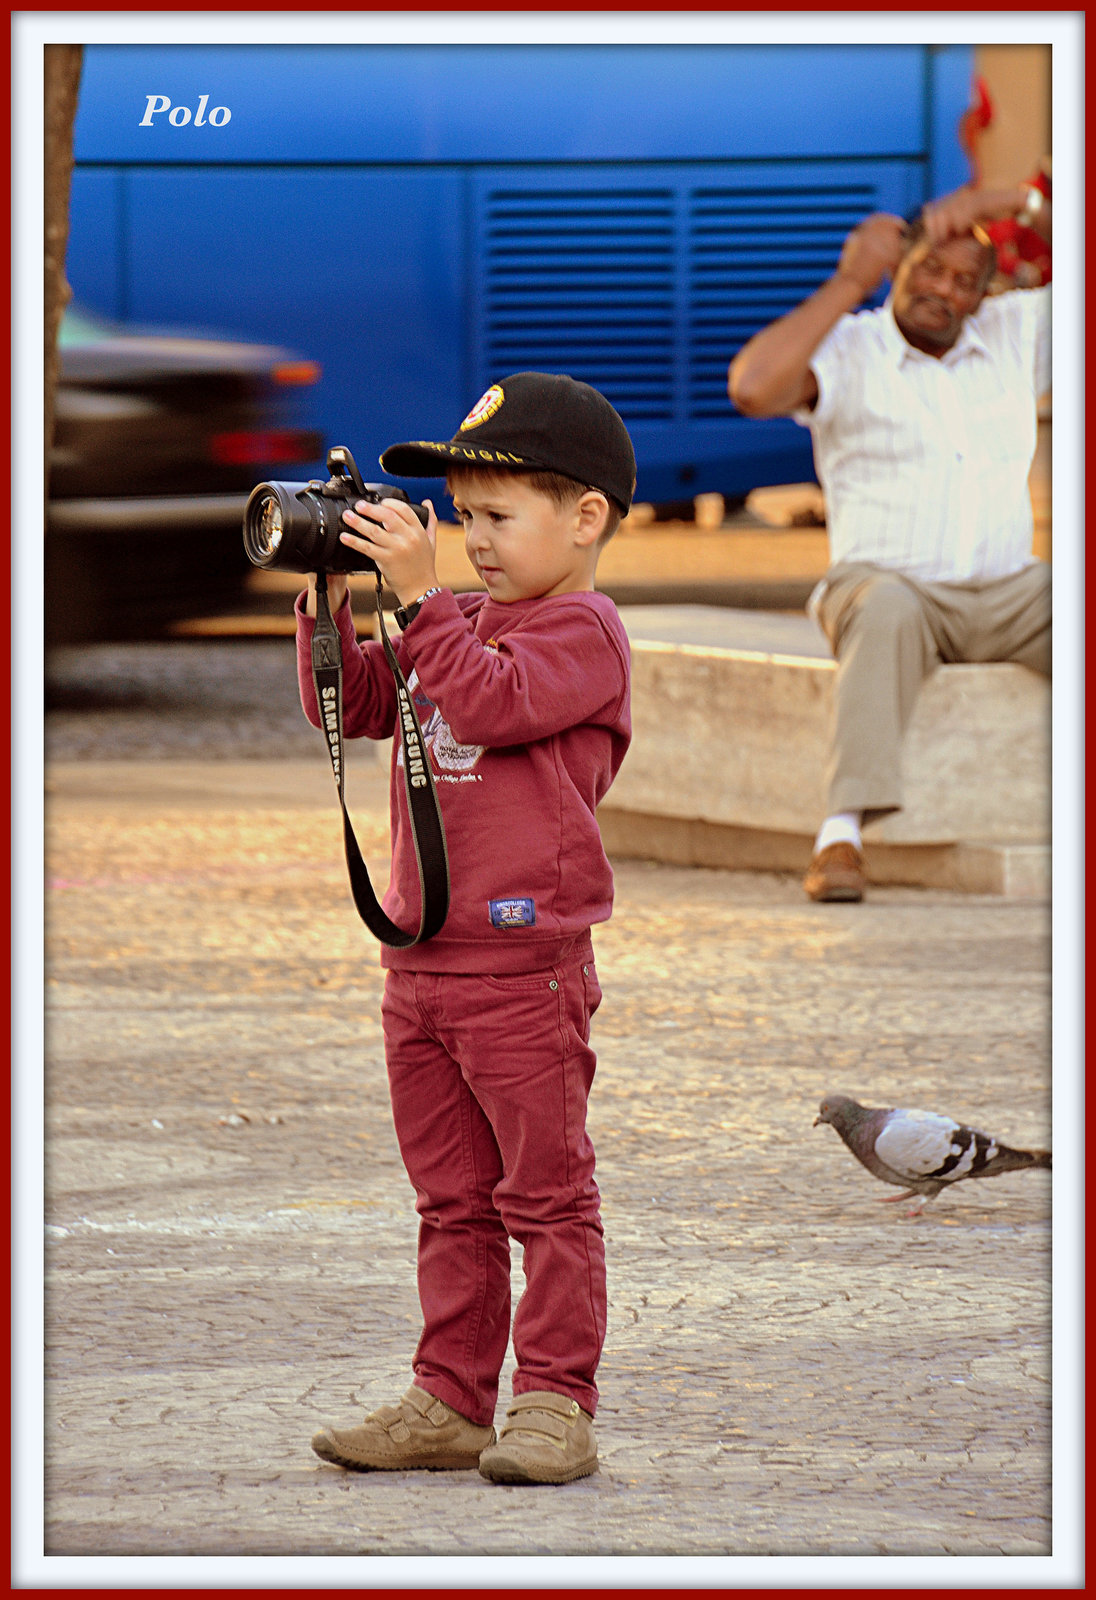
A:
(546, 1438)
(419, 1432)
(836, 873)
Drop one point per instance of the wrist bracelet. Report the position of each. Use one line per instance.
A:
(1033, 204)
(405, 615)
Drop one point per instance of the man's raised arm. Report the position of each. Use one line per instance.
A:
(771, 375)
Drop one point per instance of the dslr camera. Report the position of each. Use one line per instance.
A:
(296, 526)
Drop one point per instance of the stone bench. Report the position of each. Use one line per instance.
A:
(727, 759)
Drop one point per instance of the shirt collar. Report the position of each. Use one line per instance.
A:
(969, 342)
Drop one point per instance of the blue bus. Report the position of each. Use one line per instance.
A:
(423, 219)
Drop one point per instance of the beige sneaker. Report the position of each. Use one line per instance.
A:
(546, 1438)
(419, 1432)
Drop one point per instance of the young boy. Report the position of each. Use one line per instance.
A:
(523, 696)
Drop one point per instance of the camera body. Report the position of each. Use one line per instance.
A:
(295, 527)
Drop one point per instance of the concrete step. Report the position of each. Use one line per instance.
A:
(729, 749)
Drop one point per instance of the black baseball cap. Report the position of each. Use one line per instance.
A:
(532, 422)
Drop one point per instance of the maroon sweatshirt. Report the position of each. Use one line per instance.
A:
(525, 712)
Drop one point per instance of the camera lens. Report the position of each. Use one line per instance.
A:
(280, 526)
(270, 527)
(295, 527)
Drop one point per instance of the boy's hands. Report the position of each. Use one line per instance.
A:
(337, 587)
(396, 540)
(392, 536)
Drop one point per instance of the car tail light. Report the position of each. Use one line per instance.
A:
(292, 374)
(264, 447)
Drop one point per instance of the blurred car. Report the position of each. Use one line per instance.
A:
(158, 439)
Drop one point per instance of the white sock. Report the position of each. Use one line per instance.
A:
(842, 825)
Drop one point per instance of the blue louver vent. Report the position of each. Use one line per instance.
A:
(754, 254)
(649, 292)
(583, 281)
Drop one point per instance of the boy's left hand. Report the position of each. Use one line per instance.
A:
(392, 535)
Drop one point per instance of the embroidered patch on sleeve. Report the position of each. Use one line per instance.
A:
(516, 913)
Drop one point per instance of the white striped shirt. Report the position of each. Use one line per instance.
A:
(924, 460)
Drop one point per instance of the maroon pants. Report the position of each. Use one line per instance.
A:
(489, 1079)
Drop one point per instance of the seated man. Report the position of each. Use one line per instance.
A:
(923, 421)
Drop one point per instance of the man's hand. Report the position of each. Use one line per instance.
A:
(953, 214)
(960, 211)
(392, 536)
(872, 252)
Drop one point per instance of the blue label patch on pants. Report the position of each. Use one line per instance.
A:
(515, 913)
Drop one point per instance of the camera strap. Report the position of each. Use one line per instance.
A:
(427, 829)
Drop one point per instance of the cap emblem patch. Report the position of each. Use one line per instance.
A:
(485, 407)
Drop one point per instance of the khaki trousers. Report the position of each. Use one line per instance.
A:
(888, 633)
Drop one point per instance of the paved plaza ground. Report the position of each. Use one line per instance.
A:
(798, 1384)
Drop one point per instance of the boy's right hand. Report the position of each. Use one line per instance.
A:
(337, 588)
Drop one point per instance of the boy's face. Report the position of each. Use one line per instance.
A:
(521, 543)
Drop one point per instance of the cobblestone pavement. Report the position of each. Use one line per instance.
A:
(792, 1371)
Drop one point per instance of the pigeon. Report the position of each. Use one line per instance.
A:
(920, 1149)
